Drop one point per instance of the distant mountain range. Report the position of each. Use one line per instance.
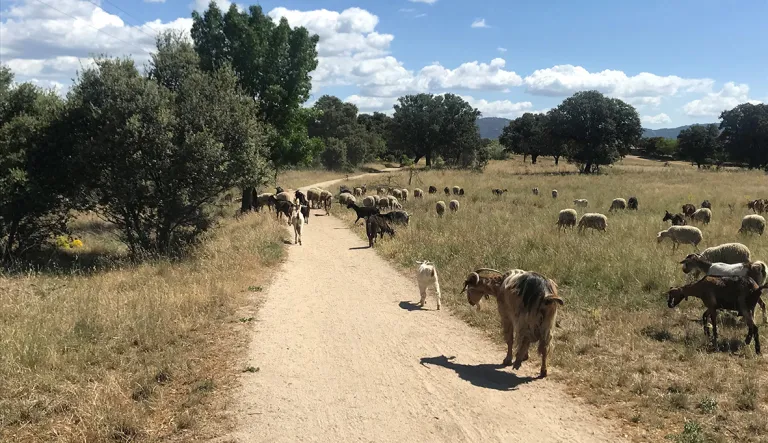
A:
(491, 127)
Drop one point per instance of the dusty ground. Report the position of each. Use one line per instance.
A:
(350, 359)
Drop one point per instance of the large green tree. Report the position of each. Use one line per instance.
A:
(745, 134)
(526, 135)
(272, 62)
(333, 118)
(598, 130)
(35, 191)
(699, 143)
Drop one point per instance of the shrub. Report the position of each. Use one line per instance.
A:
(334, 157)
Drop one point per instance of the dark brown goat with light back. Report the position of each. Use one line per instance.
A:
(733, 293)
(527, 303)
(676, 219)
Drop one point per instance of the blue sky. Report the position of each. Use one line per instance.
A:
(677, 61)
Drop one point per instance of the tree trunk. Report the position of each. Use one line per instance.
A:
(524, 157)
(587, 168)
(557, 159)
(533, 158)
(247, 204)
(7, 252)
(429, 159)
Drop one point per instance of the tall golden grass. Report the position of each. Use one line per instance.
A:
(129, 352)
(618, 346)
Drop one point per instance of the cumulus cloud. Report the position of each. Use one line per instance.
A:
(372, 104)
(655, 119)
(499, 108)
(479, 23)
(644, 88)
(714, 103)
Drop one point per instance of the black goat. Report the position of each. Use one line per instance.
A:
(447, 190)
(497, 191)
(632, 203)
(283, 207)
(304, 205)
(706, 204)
(432, 189)
(400, 217)
(376, 224)
(362, 211)
(677, 219)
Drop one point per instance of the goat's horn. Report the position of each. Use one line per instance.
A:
(488, 269)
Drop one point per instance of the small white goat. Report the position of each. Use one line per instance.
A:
(427, 275)
(297, 220)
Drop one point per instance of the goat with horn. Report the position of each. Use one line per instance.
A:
(527, 303)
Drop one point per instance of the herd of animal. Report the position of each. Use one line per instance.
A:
(527, 301)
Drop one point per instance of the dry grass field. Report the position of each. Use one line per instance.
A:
(102, 350)
(618, 345)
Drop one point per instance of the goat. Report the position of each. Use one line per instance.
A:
(706, 204)
(427, 275)
(362, 211)
(733, 293)
(447, 190)
(632, 203)
(297, 220)
(756, 270)
(304, 205)
(527, 304)
(497, 191)
(283, 207)
(397, 216)
(677, 219)
(432, 189)
(688, 209)
(376, 224)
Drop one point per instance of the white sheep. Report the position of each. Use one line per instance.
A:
(618, 203)
(554, 193)
(284, 196)
(456, 190)
(405, 194)
(383, 203)
(593, 220)
(393, 203)
(358, 192)
(369, 201)
(566, 218)
(702, 215)
(427, 275)
(297, 220)
(418, 193)
(453, 205)
(681, 234)
(440, 208)
(727, 253)
(397, 193)
(752, 223)
(581, 202)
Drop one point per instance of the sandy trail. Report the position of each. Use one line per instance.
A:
(352, 359)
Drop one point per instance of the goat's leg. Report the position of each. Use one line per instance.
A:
(522, 353)
(437, 293)
(509, 337)
(422, 293)
(713, 316)
(704, 321)
(762, 306)
(543, 351)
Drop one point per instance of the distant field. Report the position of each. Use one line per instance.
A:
(619, 346)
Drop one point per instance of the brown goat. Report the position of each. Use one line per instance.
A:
(734, 293)
(689, 209)
(527, 304)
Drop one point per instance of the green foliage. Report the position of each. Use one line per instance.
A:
(658, 146)
(425, 125)
(33, 210)
(334, 156)
(699, 144)
(527, 135)
(692, 433)
(334, 118)
(745, 134)
(164, 155)
(598, 130)
(496, 151)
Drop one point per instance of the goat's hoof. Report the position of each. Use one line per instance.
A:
(438, 307)
(543, 373)
(517, 364)
(507, 362)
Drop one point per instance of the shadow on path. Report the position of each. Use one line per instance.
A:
(410, 306)
(487, 376)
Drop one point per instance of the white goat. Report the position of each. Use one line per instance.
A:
(297, 220)
(427, 275)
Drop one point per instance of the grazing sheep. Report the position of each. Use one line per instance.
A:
(381, 191)
(376, 224)
(393, 203)
(376, 198)
(362, 211)
(283, 195)
(554, 193)
(447, 191)
(618, 203)
(632, 203)
(677, 219)
(345, 198)
(344, 189)
(440, 208)
(593, 220)
(432, 189)
(527, 304)
(498, 192)
(405, 194)
(681, 234)
(706, 204)
(757, 271)
(266, 199)
(688, 209)
(752, 223)
(703, 215)
(581, 202)
(397, 193)
(327, 199)
(461, 191)
(733, 293)
(397, 216)
(727, 253)
(313, 195)
(297, 220)
(418, 193)
(369, 201)
(453, 205)
(357, 192)
(364, 188)
(535, 191)
(383, 203)
(566, 218)
(456, 190)
(426, 275)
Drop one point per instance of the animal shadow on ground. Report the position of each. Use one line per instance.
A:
(359, 247)
(287, 242)
(410, 306)
(487, 376)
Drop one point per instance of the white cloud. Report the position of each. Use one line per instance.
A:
(202, 5)
(479, 23)
(502, 50)
(429, 2)
(407, 10)
(714, 103)
(154, 1)
(658, 119)
(499, 108)
(644, 88)
(372, 104)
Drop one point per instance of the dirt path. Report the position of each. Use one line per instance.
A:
(349, 359)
